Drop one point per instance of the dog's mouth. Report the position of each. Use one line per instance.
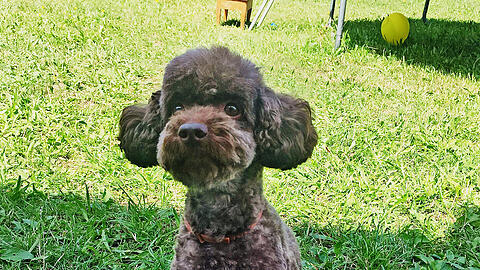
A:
(203, 146)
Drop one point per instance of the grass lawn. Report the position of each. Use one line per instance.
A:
(394, 182)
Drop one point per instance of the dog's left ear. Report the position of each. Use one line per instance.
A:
(284, 132)
(140, 127)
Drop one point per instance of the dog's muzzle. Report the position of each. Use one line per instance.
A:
(202, 145)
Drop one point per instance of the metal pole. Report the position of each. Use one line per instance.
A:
(425, 9)
(341, 18)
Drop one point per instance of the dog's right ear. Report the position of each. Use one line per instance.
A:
(285, 134)
(140, 127)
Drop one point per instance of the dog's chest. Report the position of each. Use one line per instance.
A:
(251, 252)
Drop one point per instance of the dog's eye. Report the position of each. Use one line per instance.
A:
(232, 109)
(178, 107)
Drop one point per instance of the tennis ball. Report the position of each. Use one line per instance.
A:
(395, 28)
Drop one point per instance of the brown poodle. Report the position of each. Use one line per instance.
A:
(214, 125)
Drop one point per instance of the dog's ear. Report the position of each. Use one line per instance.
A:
(284, 132)
(140, 127)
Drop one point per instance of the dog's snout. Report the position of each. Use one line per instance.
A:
(192, 131)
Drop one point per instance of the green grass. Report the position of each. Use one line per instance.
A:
(393, 184)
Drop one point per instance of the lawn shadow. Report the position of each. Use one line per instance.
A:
(70, 231)
(447, 46)
(331, 247)
(235, 22)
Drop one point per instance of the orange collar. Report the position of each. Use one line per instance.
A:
(227, 239)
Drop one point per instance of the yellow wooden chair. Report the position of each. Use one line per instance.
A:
(244, 6)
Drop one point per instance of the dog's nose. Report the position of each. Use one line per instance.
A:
(192, 131)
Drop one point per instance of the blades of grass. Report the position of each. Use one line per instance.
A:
(130, 200)
(89, 203)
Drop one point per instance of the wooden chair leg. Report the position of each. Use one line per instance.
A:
(249, 13)
(219, 14)
(242, 18)
(226, 14)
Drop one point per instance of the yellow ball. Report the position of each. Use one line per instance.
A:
(395, 28)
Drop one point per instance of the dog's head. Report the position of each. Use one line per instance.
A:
(213, 118)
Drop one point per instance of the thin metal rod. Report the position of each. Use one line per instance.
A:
(425, 9)
(332, 13)
(266, 11)
(252, 24)
(341, 18)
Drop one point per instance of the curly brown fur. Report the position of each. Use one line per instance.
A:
(214, 126)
